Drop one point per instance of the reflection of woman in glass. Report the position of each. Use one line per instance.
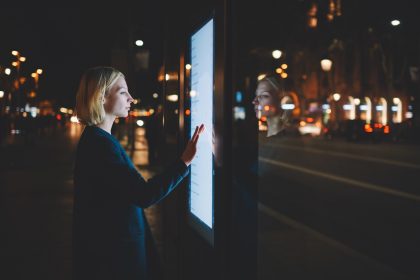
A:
(267, 104)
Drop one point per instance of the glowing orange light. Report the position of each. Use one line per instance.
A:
(263, 118)
(386, 129)
(187, 112)
(58, 117)
(368, 128)
(312, 22)
(309, 119)
(267, 108)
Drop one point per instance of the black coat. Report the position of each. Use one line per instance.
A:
(111, 237)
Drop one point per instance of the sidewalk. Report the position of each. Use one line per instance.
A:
(36, 202)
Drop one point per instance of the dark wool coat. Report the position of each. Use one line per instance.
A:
(111, 237)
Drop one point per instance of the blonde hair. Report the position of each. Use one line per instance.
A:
(278, 94)
(94, 86)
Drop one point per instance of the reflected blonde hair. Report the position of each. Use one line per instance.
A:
(278, 94)
(94, 86)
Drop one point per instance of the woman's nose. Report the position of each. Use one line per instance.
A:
(130, 99)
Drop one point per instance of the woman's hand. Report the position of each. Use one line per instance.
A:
(191, 148)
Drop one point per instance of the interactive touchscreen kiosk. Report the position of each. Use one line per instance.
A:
(201, 98)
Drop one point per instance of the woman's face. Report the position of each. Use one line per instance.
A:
(118, 100)
(264, 101)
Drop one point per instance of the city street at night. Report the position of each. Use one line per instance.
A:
(210, 140)
(338, 210)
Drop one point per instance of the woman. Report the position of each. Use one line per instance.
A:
(111, 237)
(267, 103)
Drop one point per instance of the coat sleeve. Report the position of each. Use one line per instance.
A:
(122, 181)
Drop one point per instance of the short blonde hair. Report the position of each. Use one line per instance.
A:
(94, 86)
(278, 93)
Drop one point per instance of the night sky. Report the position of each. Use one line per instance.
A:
(65, 41)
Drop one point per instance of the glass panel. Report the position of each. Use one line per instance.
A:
(334, 86)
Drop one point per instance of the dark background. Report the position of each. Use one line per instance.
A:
(64, 41)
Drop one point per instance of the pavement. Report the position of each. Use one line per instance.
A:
(36, 200)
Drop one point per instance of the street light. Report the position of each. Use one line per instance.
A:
(139, 43)
(19, 60)
(260, 77)
(276, 54)
(395, 22)
(172, 98)
(19, 80)
(326, 64)
(35, 75)
(1, 94)
(336, 96)
(7, 71)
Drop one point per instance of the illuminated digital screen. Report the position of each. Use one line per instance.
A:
(201, 96)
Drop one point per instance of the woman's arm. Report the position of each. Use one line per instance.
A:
(116, 180)
(121, 181)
